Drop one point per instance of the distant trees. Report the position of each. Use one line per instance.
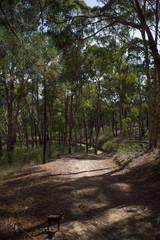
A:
(142, 16)
(59, 83)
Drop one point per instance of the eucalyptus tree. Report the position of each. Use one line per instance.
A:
(14, 42)
(140, 15)
(2, 117)
(21, 17)
(13, 70)
(151, 85)
(23, 20)
(68, 39)
(45, 68)
(145, 91)
(144, 17)
(98, 64)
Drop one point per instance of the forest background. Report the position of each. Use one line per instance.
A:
(72, 75)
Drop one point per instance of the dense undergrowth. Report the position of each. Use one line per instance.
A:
(28, 156)
(112, 145)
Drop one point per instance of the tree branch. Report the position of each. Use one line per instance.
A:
(109, 25)
(8, 23)
(114, 18)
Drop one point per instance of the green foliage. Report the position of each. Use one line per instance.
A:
(42, 48)
(134, 112)
(104, 138)
(125, 147)
(114, 145)
(111, 146)
(126, 122)
(98, 60)
(23, 156)
(146, 134)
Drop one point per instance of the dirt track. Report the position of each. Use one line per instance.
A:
(101, 201)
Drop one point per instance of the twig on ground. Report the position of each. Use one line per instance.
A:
(18, 228)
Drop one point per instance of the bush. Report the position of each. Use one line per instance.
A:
(103, 139)
(111, 146)
(22, 156)
(129, 147)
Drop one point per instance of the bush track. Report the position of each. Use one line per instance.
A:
(101, 199)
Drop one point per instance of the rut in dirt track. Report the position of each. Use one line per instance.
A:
(101, 200)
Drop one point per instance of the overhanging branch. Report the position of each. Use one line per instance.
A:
(8, 23)
(109, 17)
(109, 25)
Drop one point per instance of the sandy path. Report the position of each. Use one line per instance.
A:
(100, 201)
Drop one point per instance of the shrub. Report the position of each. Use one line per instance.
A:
(111, 145)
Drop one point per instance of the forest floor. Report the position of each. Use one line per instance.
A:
(104, 197)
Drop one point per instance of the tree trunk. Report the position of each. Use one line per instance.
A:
(38, 115)
(154, 123)
(10, 115)
(155, 78)
(31, 122)
(141, 127)
(26, 134)
(75, 123)
(51, 129)
(157, 118)
(70, 124)
(15, 122)
(80, 138)
(66, 121)
(91, 136)
(96, 119)
(20, 137)
(35, 132)
(113, 120)
(0, 145)
(120, 96)
(45, 124)
(85, 130)
(151, 120)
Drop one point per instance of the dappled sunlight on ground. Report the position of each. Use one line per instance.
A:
(101, 200)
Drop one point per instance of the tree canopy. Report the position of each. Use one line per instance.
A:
(71, 73)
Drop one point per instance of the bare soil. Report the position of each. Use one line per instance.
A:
(103, 198)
